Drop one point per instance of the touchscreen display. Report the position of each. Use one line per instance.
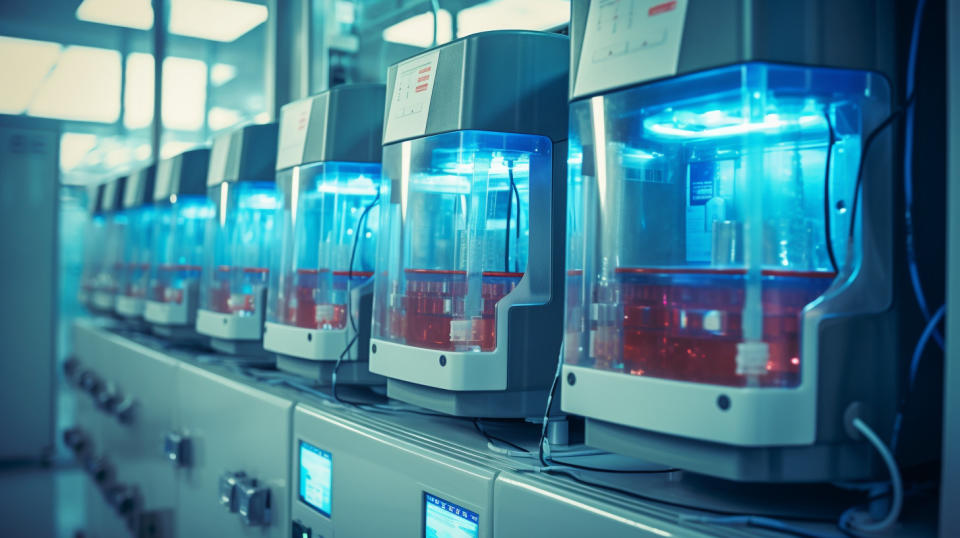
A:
(316, 477)
(444, 519)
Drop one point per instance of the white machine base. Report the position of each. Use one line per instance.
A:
(310, 344)
(229, 326)
(129, 307)
(484, 404)
(181, 334)
(740, 416)
(350, 372)
(445, 370)
(242, 349)
(103, 300)
(166, 313)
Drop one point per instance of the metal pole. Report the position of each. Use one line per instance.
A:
(159, 53)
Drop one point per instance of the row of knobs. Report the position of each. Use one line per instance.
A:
(107, 397)
(124, 498)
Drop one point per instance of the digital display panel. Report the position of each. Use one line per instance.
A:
(316, 477)
(443, 519)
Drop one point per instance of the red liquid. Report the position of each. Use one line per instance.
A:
(686, 325)
(312, 306)
(435, 298)
(171, 281)
(224, 298)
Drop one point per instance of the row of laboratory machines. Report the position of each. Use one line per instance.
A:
(643, 280)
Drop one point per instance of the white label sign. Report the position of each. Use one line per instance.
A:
(629, 41)
(410, 102)
(294, 119)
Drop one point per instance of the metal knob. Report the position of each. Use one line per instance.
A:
(108, 398)
(90, 382)
(229, 493)
(125, 410)
(253, 502)
(177, 449)
(76, 440)
(71, 370)
(101, 470)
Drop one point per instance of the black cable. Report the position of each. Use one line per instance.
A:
(826, 192)
(353, 324)
(491, 438)
(550, 396)
(868, 143)
(516, 194)
(506, 228)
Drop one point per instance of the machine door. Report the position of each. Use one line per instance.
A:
(360, 477)
(231, 447)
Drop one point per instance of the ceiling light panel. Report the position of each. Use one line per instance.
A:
(417, 31)
(215, 20)
(25, 64)
(127, 13)
(513, 15)
(84, 86)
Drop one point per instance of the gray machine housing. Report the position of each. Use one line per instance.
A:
(507, 82)
(139, 187)
(94, 197)
(343, 127)
(250, 153)
(113, 192)
(854, 34)
(184, 174)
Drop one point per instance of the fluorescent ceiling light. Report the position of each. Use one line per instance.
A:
(418, 30)
(25, 63)
(84, 86)
(127, 13)
(513, 15)
(138, 94)
(221, 74)
(174, 148)
(216, 20)
(184, 93)
(220, 118)
(142, 153)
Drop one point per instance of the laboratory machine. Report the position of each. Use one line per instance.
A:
(239, 238)
(467, 309)
(730, 278)
(135, 257)
(115, 228)
(92, 245)
(321, 289)
(181, 211)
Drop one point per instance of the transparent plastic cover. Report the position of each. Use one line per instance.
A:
(454, 235)
(238, 244)
(709, 210)
(325, 205)
(178, 247)
(135, 258)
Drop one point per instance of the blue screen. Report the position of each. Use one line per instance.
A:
(316, 477)
(444, 519)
